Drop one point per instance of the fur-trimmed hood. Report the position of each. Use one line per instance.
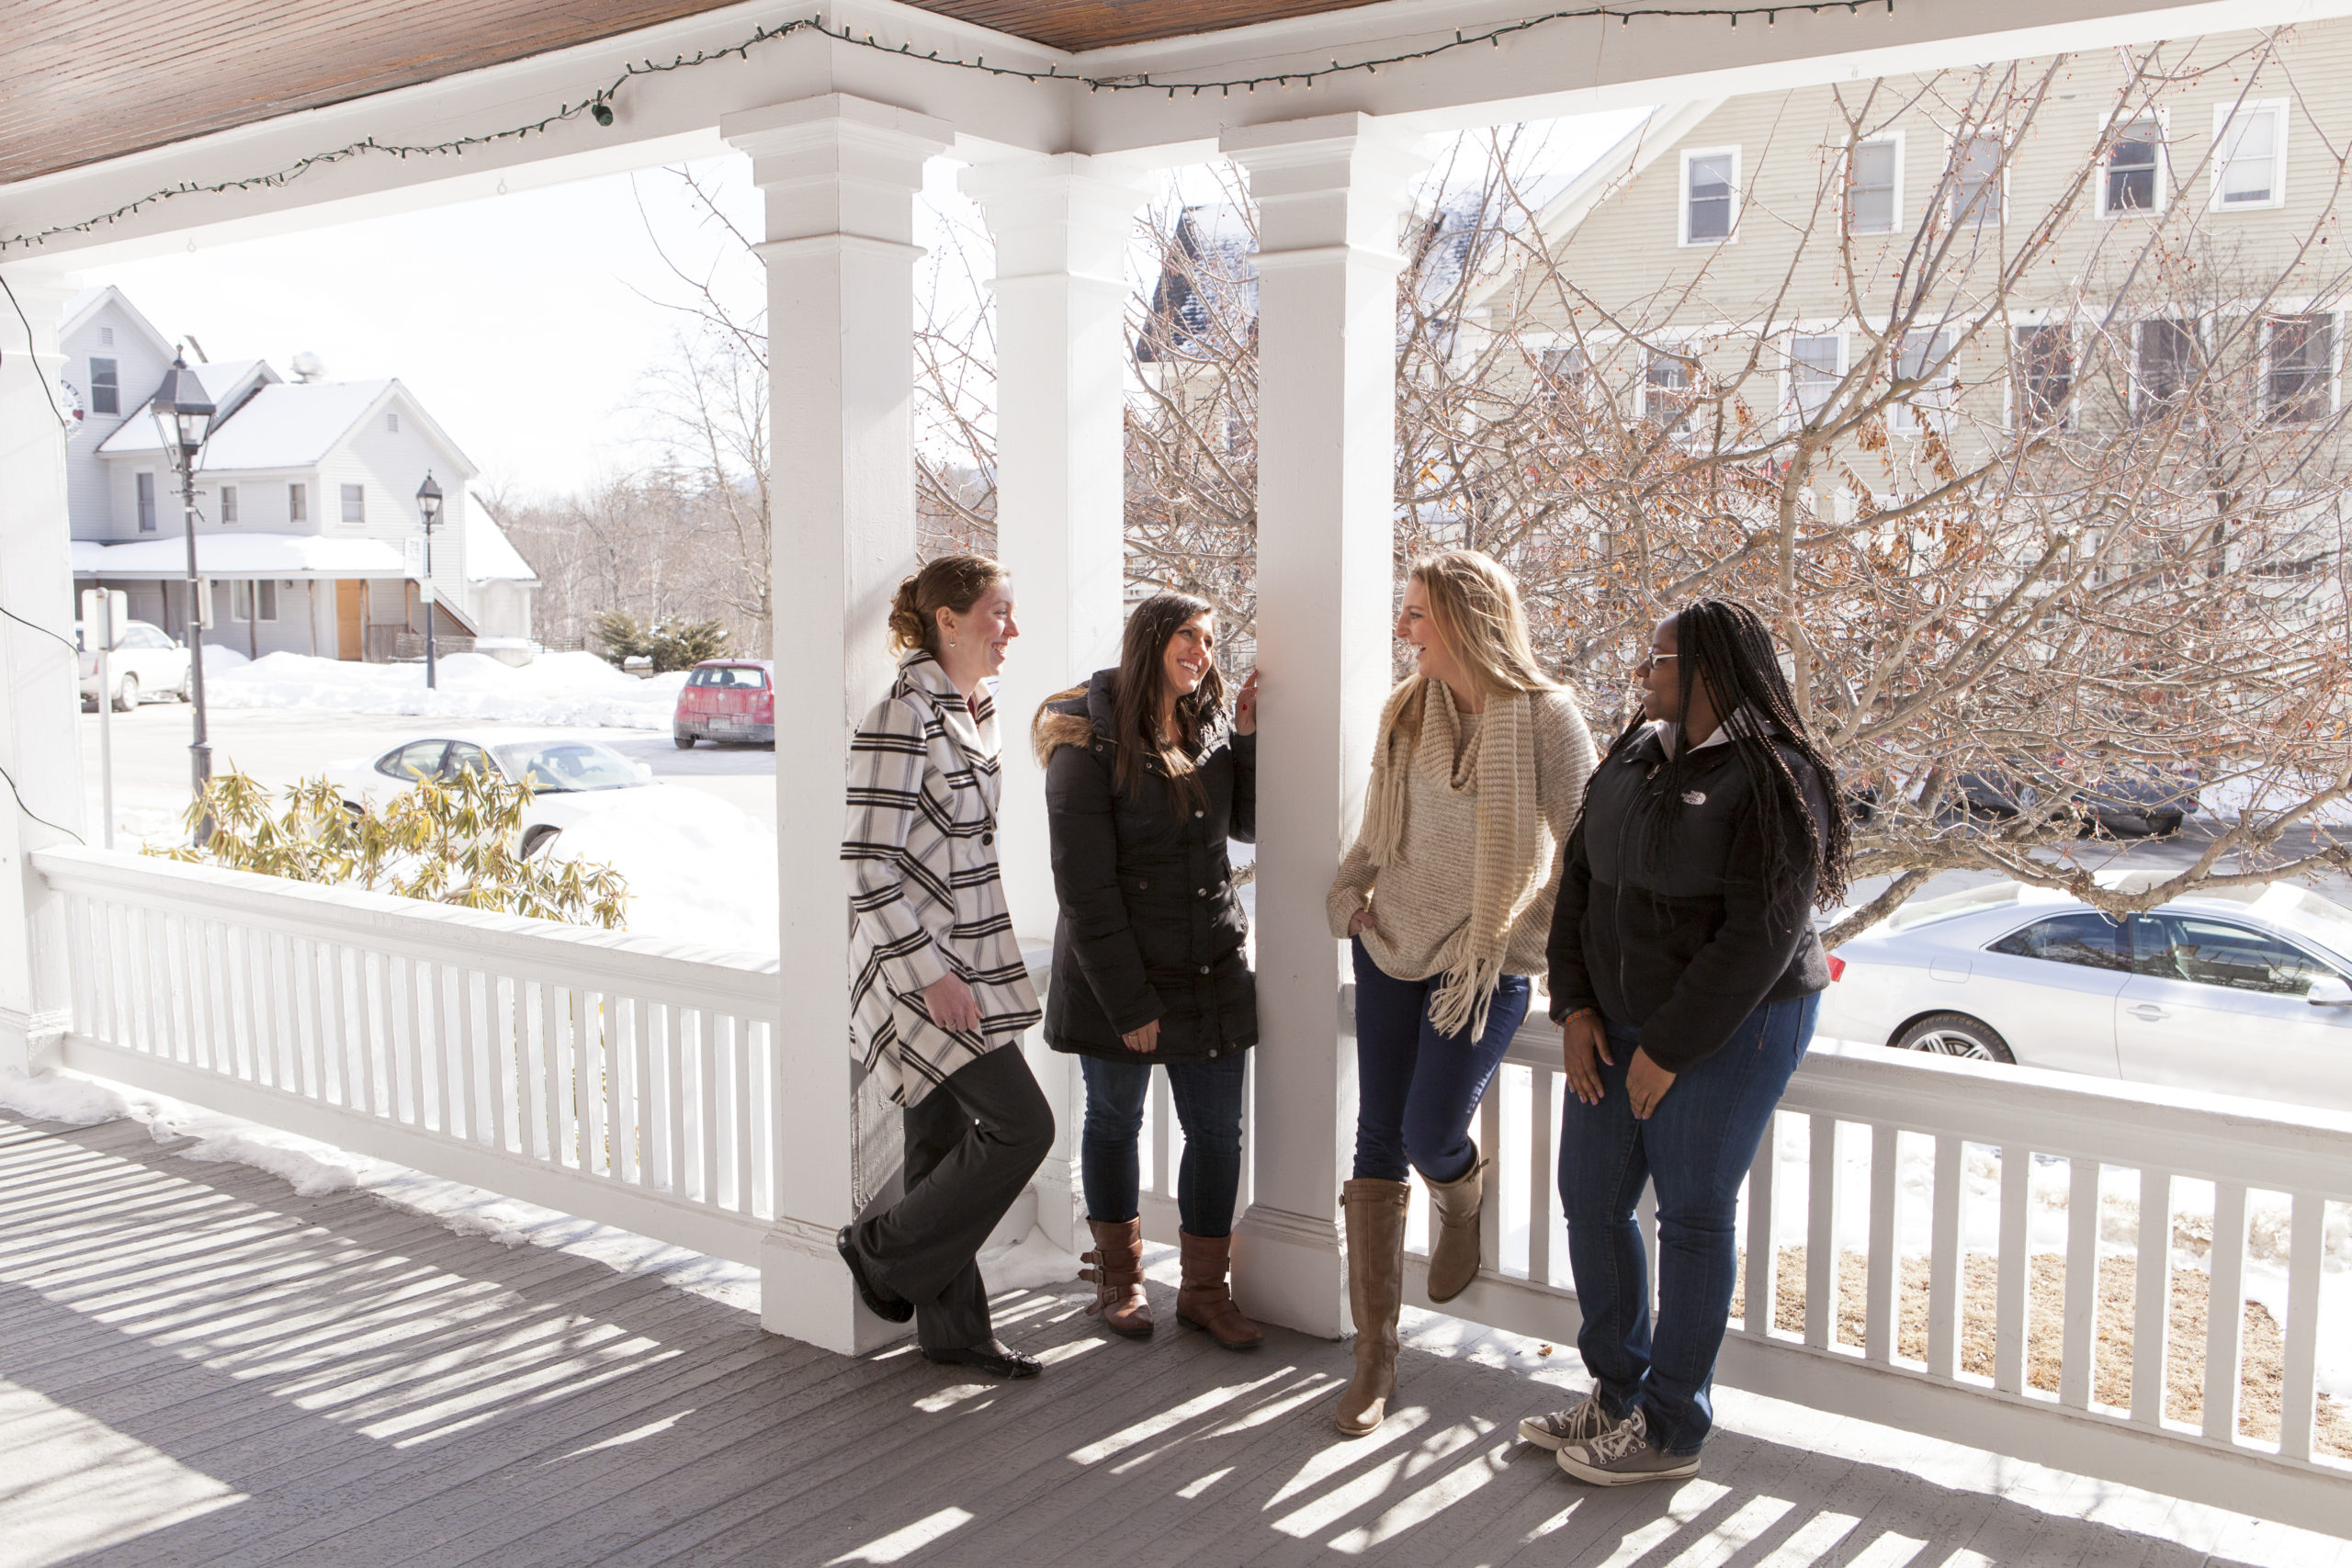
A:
(1067, 719)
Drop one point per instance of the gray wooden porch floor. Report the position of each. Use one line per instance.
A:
(198, 1366)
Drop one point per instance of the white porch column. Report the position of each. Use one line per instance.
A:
(39, 674)
(840, 176)
(1062, 226)
(1330, 193)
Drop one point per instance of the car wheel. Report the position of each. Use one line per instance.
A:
(685, 738)
(126, 696)
(2164, 826)
(539, 839)
(1955, 1034)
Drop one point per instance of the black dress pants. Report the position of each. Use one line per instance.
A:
(972, 1145)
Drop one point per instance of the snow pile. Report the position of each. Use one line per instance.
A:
(313, 1169)
(218, 660)
(569, 689)
(54, 1097)
(1033, 1263)
(699, 870)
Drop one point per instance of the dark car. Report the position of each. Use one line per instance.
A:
(2144, 798)
(726, 699)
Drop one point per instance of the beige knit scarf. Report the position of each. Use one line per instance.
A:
(1417, 736)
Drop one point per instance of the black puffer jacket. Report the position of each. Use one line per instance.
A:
(1685, 944)
(1150, 925)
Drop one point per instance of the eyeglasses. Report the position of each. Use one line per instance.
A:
(1650, 661)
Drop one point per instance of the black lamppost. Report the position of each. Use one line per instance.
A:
(184, 415)
(428, 502)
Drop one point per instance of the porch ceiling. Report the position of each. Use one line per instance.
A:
(91, 81)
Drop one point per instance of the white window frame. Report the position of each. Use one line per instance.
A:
(113, 383)
(1651, 354)
(2335, 362)
(1949, 195)
(2223, 114)
(2142, 403)
(2163, 180)
(2015, 379)
(1792, 414)
(145, 503)
(1846, 191)
(298, 502)
(1682, 210)
(228, 506)
(1938, 398)
(351, 498)
(245, 593)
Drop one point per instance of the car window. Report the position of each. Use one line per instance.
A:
(701, 678)
(417, 759)
(563, 766)
(464, 757)
(140, 635)
(2217, 952)
(2090, 940)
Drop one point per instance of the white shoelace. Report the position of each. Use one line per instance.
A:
(1628, 1437)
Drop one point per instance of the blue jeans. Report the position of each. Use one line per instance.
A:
(1415, 1087)
(1696, 1145)
(1208, 1105)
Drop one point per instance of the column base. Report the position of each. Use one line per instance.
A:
(807, 1295)
(1289, 1269)
(29, 1040)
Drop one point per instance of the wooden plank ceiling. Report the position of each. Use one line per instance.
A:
(85, 80)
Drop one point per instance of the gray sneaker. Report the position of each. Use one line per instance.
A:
(1623, 1455)
(1579, 1423)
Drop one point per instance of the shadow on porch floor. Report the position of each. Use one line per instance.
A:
(197, 1366)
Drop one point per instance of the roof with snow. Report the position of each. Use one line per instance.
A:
(283, 425)
(287, 557)
(490, 554)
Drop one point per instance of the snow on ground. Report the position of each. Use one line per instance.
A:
(554, 689)
(2226, 800)
(699, 870)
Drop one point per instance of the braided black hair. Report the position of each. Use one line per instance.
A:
(1727, 644)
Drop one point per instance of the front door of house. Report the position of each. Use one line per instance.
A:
(350, 612)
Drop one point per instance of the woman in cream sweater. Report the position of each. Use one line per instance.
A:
(1477, 773)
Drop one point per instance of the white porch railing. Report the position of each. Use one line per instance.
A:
(619, 1079)
(634, 1083)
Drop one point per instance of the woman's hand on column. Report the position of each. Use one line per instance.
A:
(1584, 1044)
(952, 1005)
(1143, 1041)
(1646, 1084)
(1362, 920)
(1245, 707)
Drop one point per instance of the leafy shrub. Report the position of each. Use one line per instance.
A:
(455, 842)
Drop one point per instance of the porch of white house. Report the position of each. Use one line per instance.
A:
(705, 1100)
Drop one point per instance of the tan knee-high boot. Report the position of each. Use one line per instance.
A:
(1454, 1214)
(1375, 1219)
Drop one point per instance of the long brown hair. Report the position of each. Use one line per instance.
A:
(950, 582)
(1143, 687)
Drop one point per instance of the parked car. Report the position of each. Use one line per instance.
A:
(726, 699)
(2241, 990)
(143, 662)
(2148, 799)
(570, 779)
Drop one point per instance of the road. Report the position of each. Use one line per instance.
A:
(151, 762)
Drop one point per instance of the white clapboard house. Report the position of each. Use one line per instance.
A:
(306, 524)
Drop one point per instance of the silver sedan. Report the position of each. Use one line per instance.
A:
(2244, 990)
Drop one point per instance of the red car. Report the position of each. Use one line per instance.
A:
(726, 699)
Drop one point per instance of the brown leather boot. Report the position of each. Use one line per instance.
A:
(1376, 1218)
(1454, 1216)
(1205, 1302)
(1117, 1277)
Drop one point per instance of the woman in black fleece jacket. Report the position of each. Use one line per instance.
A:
(1686, 977)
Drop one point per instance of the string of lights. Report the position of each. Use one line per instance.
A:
(598, 105)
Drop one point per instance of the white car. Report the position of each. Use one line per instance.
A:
(143, 662)
(2241, 990)
(570, 779)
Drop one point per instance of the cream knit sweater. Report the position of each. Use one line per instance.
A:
(1424, 896)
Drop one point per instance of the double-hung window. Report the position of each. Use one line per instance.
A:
(298, 503)
(1563, 372)
(146, 487)
(2132, 174)
(1710, 195)
(1925, 356)
(228, 503)
(243, 597)
(2249, 156)
(1874, 176)
(1815, 366)
(2165, 353)
(2302, 362)
(354, 503)
(1975, 180)
(2044, 360)
(106, 385)
(1669, 386)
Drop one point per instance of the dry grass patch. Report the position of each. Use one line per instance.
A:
(2262, 1356)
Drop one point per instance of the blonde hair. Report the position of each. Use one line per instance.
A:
(1474, 606)
(950, 582)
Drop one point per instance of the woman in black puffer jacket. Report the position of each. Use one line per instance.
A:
(1147, 777)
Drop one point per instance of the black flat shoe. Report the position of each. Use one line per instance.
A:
(995, 1357)
(890, 1309)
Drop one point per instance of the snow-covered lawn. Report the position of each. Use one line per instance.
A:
(698, 869)
(554, 689)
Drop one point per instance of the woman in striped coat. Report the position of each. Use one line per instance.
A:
(939, 995)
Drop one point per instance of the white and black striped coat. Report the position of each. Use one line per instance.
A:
(925, 897)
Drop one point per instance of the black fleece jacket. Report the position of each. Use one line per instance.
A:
(1151, 926)
(1684, 942)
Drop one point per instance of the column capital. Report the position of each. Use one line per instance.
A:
(1062, 215)
(838, 164)
(1341, 179)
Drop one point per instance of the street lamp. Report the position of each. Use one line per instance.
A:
(184, 415)
(428, 502)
